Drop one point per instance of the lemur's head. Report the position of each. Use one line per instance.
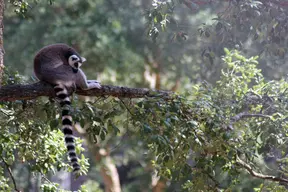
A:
(74, 59)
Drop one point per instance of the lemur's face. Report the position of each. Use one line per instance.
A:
(75, 62)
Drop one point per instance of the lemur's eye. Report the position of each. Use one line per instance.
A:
(74, 58)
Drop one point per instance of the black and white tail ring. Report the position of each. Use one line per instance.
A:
(65, 103)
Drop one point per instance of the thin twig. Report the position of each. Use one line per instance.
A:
(5, 113)
(228, 7)
(216, 183)
(126, 107)
(259, 175)
(45, 178)
(10, 173)
(243, 115)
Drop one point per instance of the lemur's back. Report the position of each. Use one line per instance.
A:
(51, 64)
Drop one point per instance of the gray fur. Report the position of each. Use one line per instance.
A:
(51, 65)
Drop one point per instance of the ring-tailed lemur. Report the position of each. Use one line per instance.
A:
(58, 65)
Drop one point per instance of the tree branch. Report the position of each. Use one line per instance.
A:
(243, 115)
(31, 91)
(2, 7)
(259, 175)
(11, 175)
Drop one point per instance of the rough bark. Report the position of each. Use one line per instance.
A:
(31, 91)
(2, 6)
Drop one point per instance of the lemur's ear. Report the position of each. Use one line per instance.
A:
(83, 59)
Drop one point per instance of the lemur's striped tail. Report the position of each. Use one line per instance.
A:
(65, 103)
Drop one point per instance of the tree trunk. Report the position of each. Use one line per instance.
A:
(158, 66)
(102, 156)
(158, 185)
(108, 171)
(2, 6)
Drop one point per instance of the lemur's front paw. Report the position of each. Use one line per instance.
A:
(93, 81)
(94, 84)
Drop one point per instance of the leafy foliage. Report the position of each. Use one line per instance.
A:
(203, 133)
(254, 27)
(27, 141)
(197, 136)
